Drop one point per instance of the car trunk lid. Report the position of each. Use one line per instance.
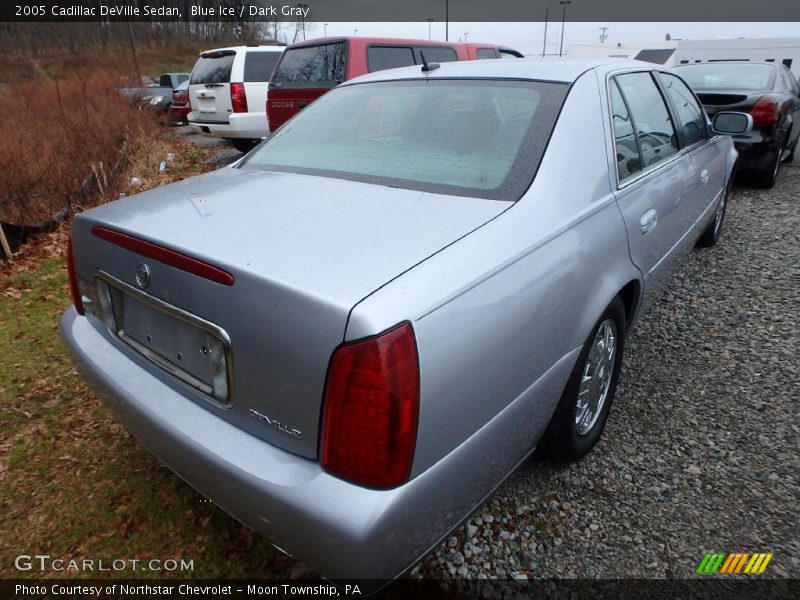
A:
(301, 252)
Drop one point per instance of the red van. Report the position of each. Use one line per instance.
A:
(309, 69)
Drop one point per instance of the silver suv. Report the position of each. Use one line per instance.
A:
(228, 93)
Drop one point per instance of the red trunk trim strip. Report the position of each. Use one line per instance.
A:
(165, 255)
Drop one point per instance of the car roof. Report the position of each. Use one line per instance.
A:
(371, 40)
(267, 48)
(542, 69)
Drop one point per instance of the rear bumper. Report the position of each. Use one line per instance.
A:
(756, 149)
(249, 125)
(343, 531)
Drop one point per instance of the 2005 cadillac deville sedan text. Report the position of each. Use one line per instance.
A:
(348, 339)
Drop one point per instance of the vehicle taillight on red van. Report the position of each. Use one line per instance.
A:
(238, 98)
(371, 409)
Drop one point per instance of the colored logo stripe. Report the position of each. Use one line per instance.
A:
(735, 562)
(758, 563)
(711, 562)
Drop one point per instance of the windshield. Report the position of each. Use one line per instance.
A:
(481, 138)
(729, 76)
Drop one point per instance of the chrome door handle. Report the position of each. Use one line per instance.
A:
(648, 221)
(704, 176)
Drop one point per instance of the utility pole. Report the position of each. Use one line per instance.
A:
(544, 44)
(135, 57)
(303, 19)
(563, 19)
(466, 33)
(429, 20)
(603, 34)
(446, 20)
(325, 30)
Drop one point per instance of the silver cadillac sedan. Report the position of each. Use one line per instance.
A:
(349, 338)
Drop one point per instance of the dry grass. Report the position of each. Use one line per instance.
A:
(56, 135)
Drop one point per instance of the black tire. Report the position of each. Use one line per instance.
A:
(790, 156)
(244, 145)
(768, 174)
(712, 233)
(563, 440)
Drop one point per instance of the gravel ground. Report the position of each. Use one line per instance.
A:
(700, 453)
(701, 450)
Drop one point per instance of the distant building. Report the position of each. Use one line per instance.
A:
(675, 52)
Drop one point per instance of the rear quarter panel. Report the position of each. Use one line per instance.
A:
(496, 310)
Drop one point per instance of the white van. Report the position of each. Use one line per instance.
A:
(228, 93)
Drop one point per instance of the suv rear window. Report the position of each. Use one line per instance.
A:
(478, 138)
(258, 66)
(313, 64)
(213, 67)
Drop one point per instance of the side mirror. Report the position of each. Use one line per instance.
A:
(732, 123)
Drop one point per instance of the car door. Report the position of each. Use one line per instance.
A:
(706, 152)
(654, 180)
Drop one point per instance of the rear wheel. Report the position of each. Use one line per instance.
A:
(768, 174)
(790, 156)
(244, 145)
(581, 414)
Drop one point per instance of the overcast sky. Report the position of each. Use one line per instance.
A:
(528, 37)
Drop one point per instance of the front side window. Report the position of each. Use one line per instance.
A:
(691, 116)
(479, 138)
(649, 116)
(485, 53)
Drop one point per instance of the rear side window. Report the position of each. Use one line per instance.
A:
(435, 54)
(486, 53)
(213, 68)
(627, 150)
(649, 116)
(691, 116)
(478, 138)
(258, 66)
(389, 57)
(324, 63)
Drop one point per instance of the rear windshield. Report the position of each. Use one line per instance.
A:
(728, 76)
(312, 64)
(213, 69)
(258, 66)
(479, 138)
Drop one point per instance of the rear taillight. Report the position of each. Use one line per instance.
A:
(765, 111)
(238, 98)
(73, 280)
(371, 409)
